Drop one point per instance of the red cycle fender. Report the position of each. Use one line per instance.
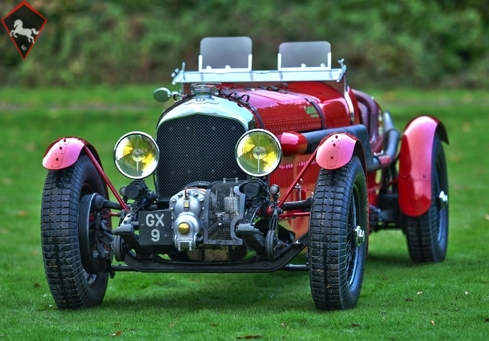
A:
(336, 150)
(415, 161)
(64, 152)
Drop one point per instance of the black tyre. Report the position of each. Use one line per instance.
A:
(338, 236)
(427, 235)
(71, 285)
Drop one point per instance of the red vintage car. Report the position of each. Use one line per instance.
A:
(249, 168)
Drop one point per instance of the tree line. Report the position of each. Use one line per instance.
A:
(403, 43)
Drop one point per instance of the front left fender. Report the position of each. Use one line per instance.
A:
(64, 152)
(336, 150)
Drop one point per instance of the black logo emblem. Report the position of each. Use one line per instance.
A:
(24, 24)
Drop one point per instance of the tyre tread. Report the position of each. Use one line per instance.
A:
(60, 242)
(327, 238)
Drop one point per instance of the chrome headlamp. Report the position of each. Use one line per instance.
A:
(258, 152)
(136, 155)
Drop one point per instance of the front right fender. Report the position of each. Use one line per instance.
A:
(337, 149)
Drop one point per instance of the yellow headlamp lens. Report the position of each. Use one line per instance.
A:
(136, 155)
(258, 152)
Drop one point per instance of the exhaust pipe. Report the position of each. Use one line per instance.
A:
(294, 143)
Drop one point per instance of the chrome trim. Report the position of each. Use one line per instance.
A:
(211, 106)
(332, 75)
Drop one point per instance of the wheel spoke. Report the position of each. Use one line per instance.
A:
(351, 242)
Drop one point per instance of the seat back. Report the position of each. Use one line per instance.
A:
(369, 116)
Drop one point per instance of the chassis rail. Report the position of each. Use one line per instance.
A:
(247, 266)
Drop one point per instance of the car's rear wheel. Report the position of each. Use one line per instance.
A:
(338, 236)
(427, 235)
(76, 278)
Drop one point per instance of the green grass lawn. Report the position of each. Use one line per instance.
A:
(399, 301)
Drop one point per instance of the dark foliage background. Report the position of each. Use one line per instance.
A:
(403, 43)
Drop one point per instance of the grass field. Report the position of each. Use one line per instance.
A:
(399, 301)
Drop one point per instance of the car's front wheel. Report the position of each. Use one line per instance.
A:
(76, 279)
(338, 236)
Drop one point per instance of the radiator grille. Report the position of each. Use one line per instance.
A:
(196, 148)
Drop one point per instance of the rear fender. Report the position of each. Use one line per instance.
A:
(64, 152)
(415, 163)
(336, 150)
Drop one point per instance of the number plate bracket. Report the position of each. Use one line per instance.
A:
(155, 227)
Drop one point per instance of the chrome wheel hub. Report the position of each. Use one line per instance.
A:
(443, 199)
(359, 236)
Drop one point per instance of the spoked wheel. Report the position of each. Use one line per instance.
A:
(75, 231)
(427, 235)
(338, 236)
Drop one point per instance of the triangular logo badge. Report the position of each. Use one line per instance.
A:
(24, 24)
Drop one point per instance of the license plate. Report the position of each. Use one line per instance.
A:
(155, 227)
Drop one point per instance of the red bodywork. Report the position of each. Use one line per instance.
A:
(312, 106)
(295, 107)
(303, 107)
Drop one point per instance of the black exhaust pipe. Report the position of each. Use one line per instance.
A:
(392, 137)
